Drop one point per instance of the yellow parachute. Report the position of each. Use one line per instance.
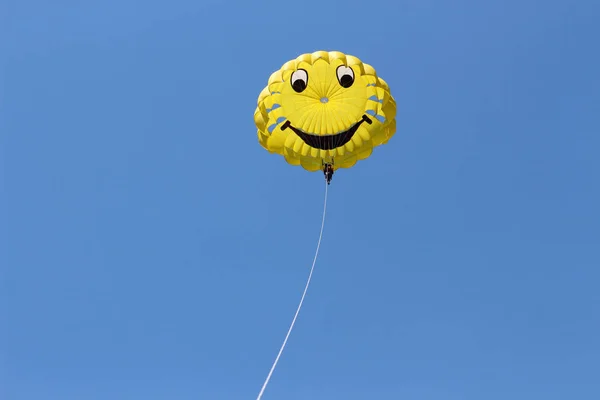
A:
(325, 108)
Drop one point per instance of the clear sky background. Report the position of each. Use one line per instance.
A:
(153, 250)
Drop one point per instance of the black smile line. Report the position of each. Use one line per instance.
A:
(327, 142)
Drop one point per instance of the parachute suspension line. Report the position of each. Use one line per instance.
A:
(301, 299)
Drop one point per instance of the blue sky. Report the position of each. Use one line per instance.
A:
(153, 250)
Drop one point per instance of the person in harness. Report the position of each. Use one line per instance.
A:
(328, 171)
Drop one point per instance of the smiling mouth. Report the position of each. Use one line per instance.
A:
(327, 142)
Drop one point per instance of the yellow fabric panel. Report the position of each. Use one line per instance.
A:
(325, 107)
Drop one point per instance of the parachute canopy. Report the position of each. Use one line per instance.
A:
(325, 107)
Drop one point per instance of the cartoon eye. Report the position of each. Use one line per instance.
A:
(345, 76)
(299, 80)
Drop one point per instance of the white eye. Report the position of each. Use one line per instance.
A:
(345, 76)
(299, 80)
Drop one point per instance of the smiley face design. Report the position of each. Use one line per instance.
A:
(325, 107)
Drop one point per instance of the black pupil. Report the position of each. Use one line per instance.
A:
(298, 85)
(346, 81)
